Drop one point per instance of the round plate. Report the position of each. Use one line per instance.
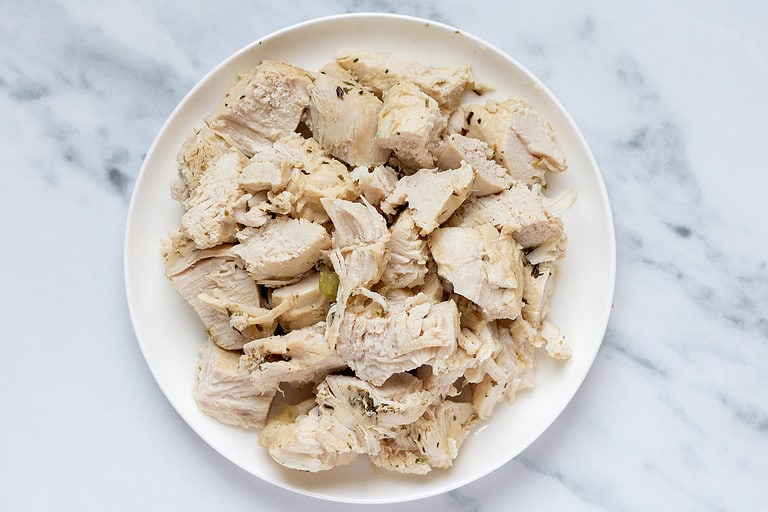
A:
(169, 331)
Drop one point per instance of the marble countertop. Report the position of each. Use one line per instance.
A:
(671, 98)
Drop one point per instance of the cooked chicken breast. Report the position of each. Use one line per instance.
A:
(264, 105)
(224, 394)
(432, 195)
(433, 441)
(197, 154)
(523, 142)
(408, 254)
(490, 177)
(375, 185)
(360, 252)
(344, 116)
(378, 343)
(410, 123)
(308, 305)
(281, 251)
(209, 219)
(299, 357)
(197, 274)
(380, 72)
(482, 265)
(518, 211)
(350, 419)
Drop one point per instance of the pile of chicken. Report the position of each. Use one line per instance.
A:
(359, 231)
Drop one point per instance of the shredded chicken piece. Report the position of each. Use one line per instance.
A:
(375, 185)
(380, 72)
(343, 117)
(264, 105)
(299, 357)
(409, 124)
(523, 142)
(433, 196)
(223, 393)
(490, 177)
(281, 251)
(482, 265)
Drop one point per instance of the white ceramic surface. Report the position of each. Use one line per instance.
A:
(169, 331)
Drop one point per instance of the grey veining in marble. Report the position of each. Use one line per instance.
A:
(671, 98)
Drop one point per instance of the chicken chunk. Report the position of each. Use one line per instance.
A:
(537, 292)
(343, 117)
(308, 304)
(381, 71)
(299, 357)
(282, 250)
(432, 195)
(360, 252)
(264, 105)
(550, 337)
(209, 220)
(198, 153)
(523, 142)
(375, 185)
(518, 211)
(224, 394)
(378, 344)
(296, 174)
(410, 123)
(198, 274)
(490, 177)
(483, 265)
(408, 254)
(433, 441)
(350, 419)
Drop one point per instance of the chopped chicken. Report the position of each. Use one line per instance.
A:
(444, 253)
(537, 292)
(282, 250)
(199, 151)
(197, 274)
(408, 254)
(296, 174)
(224, 394)
(518, 210)
(299, 357)
(523, 142)
(482, 265)
(375, 185)
(381, 71)
(360, 252)
(308, 305)
(432, 195)
(209, 219)
(264, 105)
(322, 178)
(410, 123)
(490, 177)
(550, 337)
(378, 344)
(432, 441)
(351, 417)
(343, 117)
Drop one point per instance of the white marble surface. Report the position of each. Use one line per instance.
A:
(673, 415)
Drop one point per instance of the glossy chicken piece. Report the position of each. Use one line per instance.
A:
(490, 177)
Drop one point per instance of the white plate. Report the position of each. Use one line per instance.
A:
(169, 332)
